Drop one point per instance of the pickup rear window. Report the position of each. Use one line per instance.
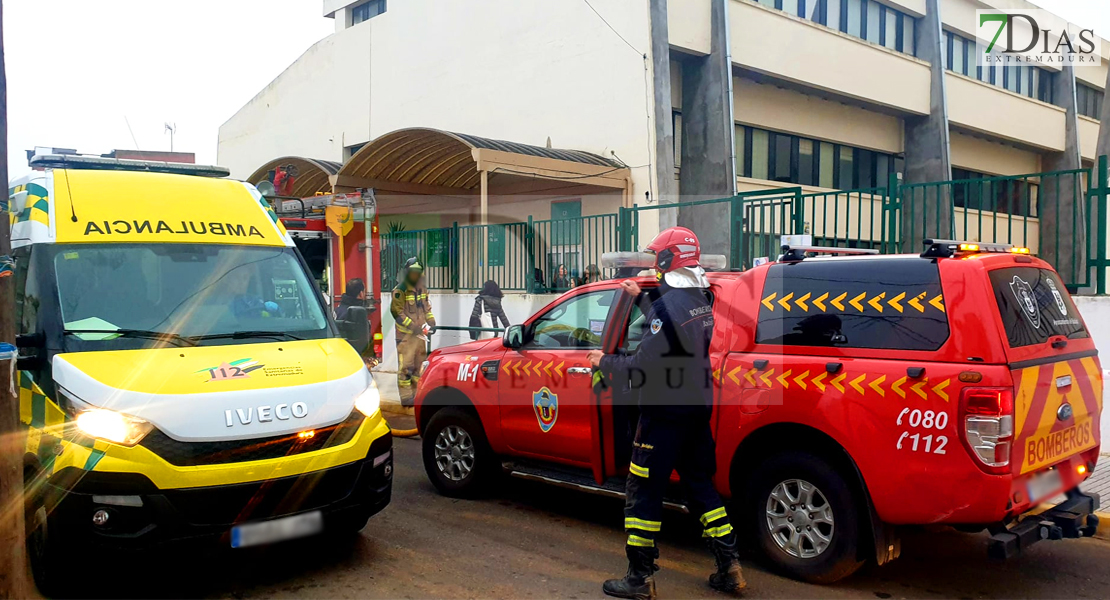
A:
(1035, 306)
(882, 303)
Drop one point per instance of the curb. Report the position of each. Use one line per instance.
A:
(396, 409)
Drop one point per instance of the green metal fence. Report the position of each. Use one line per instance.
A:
(1061, 216)
(534, 256)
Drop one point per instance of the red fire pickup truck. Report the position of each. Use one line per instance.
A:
(854, 394)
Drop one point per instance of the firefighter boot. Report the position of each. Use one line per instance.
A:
(639, 583)
(729, 577)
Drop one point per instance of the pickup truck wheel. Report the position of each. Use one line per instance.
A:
(805, 518)
(457, 457)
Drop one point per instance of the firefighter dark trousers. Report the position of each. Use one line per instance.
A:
(666, 444)
(411, 352)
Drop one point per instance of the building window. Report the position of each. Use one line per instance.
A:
(958, 55)
(865, 19)
(786, 158)
(367, 11)
(676, 130)
(1088, 100)
(977, 191)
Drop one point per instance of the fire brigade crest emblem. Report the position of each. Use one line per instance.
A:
(1023, 292)
(546, 404)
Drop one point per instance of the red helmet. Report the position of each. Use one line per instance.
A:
(675, 248)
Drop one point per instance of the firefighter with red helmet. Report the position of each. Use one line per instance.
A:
(671, 373)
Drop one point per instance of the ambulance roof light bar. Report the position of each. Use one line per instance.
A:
(798, 253)
(100, 163)
(948, 248)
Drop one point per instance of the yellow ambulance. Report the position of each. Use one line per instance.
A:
(180, 376)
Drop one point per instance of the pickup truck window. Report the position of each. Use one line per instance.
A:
(1035, 306)
(576, 322)
(882, 303)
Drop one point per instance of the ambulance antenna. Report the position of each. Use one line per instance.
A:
(69, 190)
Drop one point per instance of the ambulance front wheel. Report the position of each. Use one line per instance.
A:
(43, 549)
(457, 457)
(806, 518)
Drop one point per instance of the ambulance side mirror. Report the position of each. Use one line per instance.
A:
(514, 337)
(30, 348)
(356, 328)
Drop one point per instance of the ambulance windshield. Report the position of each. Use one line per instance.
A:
(194, 293)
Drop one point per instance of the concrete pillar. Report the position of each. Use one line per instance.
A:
(927, 212)
(1103, 146)
(666, 189)
(1062, 201)
(708, 168)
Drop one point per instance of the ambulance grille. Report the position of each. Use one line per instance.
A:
(191, 454)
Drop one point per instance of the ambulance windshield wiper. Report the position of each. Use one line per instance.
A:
(133, 333)
(240, 335)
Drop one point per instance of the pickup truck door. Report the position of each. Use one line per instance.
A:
(548, 409)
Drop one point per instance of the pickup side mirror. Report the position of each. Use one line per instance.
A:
(356, 328)
(31, 348)
(514, 337)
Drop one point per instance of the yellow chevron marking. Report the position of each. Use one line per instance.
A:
(516, 368)
(876, 302)
(877, 385)
(938, 303)
(895, 302)
(716, 374)
(819, 302)
(916, 302)
(732, 374)
(768, 301)
(855, 384)
(766, 378)
(782, 379)
(801, 380)
(505, 367)
(916, 388)
(801, 302)
(785, 301)
(838, 383)
(938, 389)
(559, 369)
(750, 378)
(547, 368)
(819, 381)
(897, 387)
(855, 301)
(526, 366)
(837, 301)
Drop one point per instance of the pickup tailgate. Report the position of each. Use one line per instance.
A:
(1057, 380)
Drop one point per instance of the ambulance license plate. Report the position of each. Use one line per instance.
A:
(276, 530)
(1043, 485)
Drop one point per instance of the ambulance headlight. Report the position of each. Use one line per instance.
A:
(112, 426)
(369, 401)
(105, 424)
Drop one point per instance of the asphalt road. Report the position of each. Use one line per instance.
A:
(534, 541)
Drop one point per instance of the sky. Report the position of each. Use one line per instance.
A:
(80, 70)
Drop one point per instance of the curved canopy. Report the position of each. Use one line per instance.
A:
(313, 176)
(444, 159)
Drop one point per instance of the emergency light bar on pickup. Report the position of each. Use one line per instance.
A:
(646, 260)
(948, 248)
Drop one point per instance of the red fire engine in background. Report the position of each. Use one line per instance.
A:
(332, 231)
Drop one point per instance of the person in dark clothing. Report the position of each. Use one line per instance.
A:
(488, 301)
(562, 281)
(592, 274)
(354, 295)
(672, 373)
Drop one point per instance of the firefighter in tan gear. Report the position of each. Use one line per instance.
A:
(412, 312)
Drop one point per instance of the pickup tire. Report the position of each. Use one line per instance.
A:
(457, 456)
(805, 517)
